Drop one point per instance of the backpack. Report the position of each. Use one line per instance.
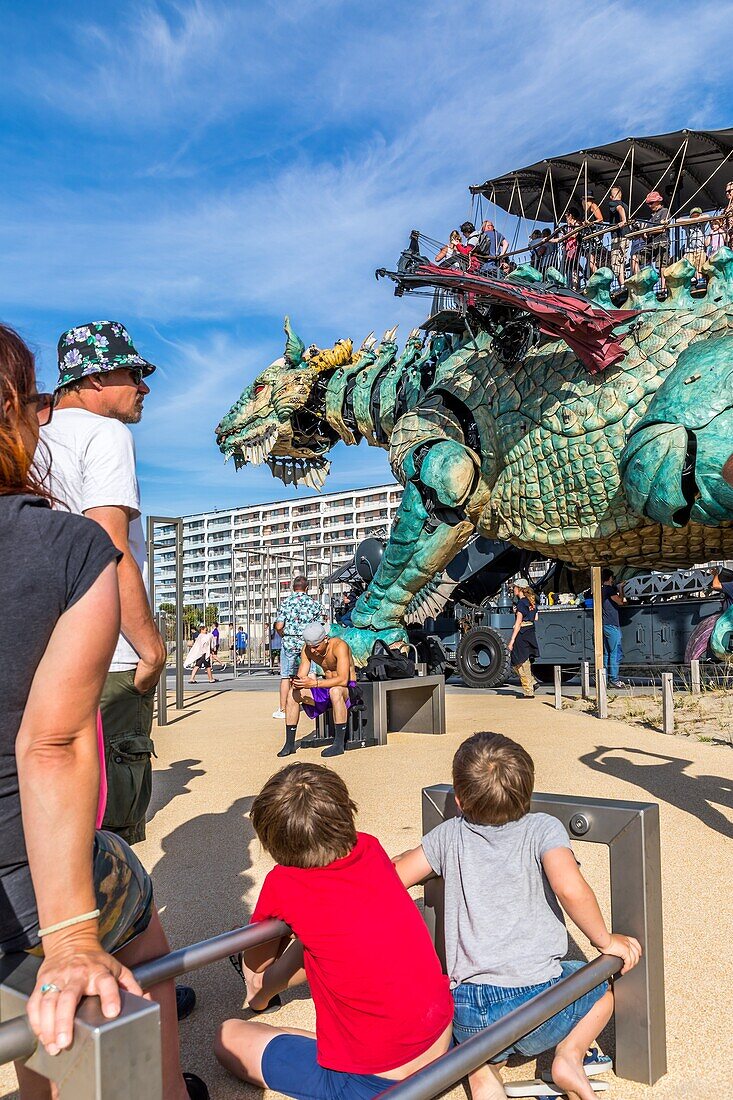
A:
(387, 664)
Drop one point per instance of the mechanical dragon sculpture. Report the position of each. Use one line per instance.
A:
(559, 423)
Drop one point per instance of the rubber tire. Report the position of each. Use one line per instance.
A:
(546, 674)
(498, 669)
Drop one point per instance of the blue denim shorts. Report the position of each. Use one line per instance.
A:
(477, 1006)
(289, 664)
(289, 1066)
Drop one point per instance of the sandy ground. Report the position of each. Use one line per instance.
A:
(207, 865)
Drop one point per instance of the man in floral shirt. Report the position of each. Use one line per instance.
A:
(295, 613)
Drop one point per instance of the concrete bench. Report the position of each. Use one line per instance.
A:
(415, 705)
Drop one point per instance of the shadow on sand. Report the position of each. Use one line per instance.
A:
(668, 781)
(171, 783)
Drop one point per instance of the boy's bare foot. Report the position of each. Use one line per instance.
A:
(569, 1075)
(256, 999)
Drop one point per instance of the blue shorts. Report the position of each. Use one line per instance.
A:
(289, 664)
(477, 1006)
(289, 1066)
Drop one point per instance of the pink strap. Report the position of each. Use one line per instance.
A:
(102, 804)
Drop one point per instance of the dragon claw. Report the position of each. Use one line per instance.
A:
(361, 639)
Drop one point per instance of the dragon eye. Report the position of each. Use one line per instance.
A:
(259, 388)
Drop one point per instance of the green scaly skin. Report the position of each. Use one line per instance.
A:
(622, 468)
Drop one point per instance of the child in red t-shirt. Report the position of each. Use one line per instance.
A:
(383, 1007)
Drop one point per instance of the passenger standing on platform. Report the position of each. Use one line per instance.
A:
(523, 642)
(292, 617)
(506, 873)
(100, 390)
(383, 1007)
(695, 243)
(656, 241)
(612, 598)
(618, 218)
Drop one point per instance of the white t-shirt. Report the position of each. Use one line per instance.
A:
(93, 466)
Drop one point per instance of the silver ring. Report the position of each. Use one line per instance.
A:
(50, 987)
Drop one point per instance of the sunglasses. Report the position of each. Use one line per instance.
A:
(44, 407)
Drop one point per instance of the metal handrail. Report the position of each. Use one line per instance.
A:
(461, 1060)
(18, 1041)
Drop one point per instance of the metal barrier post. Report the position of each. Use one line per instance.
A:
(177, 524)
(161, 692)
(695, 677)
(585, 679)
(116, 1059)
(631, 831)
(601, 693)
(667, 702)
(110, 1059)
(558, 687)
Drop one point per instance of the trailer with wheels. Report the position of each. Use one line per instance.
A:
(469, 631)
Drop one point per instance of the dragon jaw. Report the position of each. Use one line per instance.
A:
(280, 417)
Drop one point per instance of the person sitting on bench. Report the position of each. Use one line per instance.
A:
(318, 694)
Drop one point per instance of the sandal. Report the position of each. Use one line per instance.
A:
(195, 1087)
(275, 1002)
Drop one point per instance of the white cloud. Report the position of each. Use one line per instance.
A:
(265, 158)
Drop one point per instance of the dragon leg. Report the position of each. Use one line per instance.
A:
(431, 526)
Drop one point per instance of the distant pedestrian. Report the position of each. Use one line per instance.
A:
(611, 599)
(276, 644)
(292, 617)
(215, 639)
(523, 642)
(199, 656)
(240, 643)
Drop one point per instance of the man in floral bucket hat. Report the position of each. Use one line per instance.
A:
(100, 390)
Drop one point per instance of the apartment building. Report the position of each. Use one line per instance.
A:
(268, 543)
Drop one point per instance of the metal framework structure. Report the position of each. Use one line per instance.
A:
(631, 832)
(161, 694)
(270, 565)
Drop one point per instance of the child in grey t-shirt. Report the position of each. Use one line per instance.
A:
(508, 876)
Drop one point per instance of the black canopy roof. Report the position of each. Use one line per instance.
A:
(542, 191)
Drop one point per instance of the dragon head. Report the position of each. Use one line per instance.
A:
(280, 417)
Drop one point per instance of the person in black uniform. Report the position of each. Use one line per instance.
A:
(523, 642)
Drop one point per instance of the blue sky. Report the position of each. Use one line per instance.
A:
(197, 169)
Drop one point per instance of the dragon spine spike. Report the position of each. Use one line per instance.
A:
(389, 335)
(294, 346)
(368, 342)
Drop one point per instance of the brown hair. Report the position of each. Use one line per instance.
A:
(17, 380)
(493, 778)
(300, 583)
(304, 816)
(528, 594)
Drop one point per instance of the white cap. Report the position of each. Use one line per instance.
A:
(522, 582)
(315, 633)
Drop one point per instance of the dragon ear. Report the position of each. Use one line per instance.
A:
(294, 346)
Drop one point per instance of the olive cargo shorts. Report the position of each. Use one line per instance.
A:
(127, 718)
